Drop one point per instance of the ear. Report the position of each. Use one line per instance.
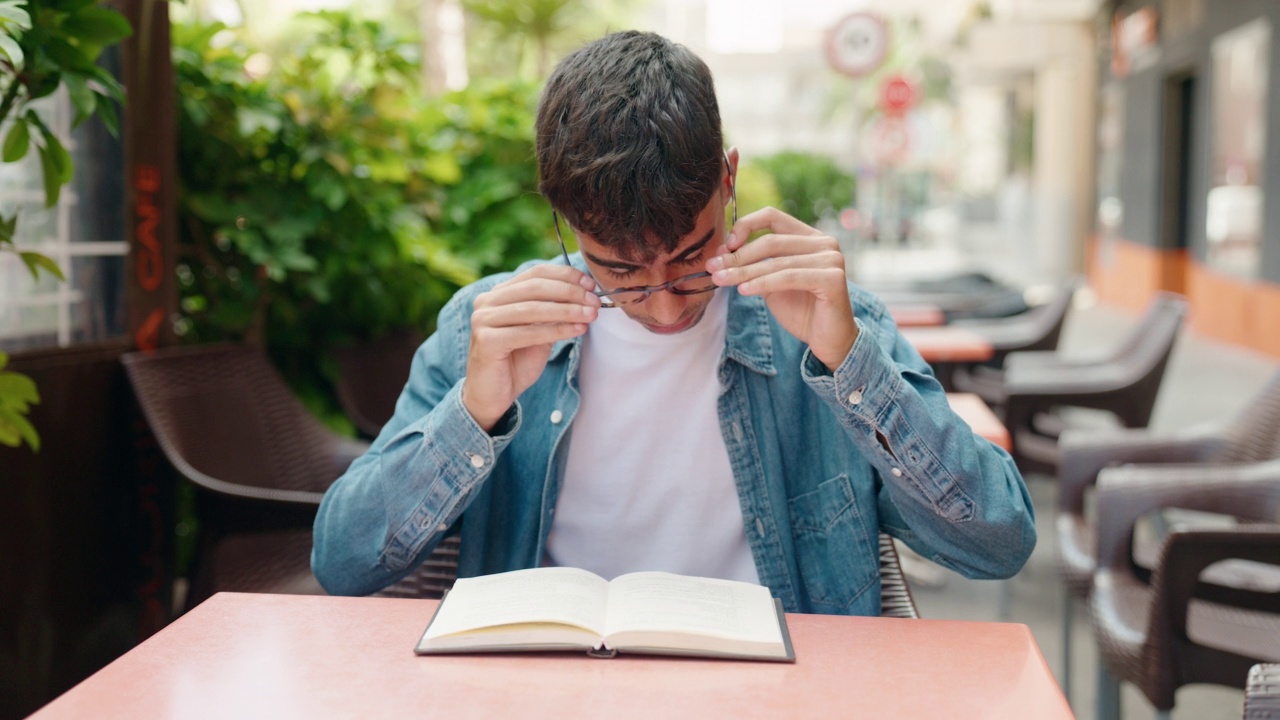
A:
(731, 177)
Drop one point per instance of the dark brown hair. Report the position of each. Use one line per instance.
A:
(629, 142)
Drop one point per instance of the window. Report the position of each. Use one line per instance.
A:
(1233, 222)
(84, 234)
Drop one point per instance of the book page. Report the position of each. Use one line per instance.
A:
(665, 603)
(541, 595)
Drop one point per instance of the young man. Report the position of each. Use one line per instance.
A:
(673, 398)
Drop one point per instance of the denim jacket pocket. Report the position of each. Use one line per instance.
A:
(837, 558)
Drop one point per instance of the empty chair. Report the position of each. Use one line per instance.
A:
(1211, 608)
(1125, 384)
(371, 376)
(1035, 330)
(1252, 436)
(259, 461)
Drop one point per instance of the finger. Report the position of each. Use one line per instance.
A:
(550, 271)
(771, 219)
(819, 260)
(537, 288)
(532, 312)
(773, 246)
(506, 340)
(819, 281)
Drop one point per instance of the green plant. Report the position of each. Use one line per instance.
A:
(810, 186)
(329, 201)
(46, 45)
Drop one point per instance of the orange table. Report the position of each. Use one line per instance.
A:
(242, 655)
(917, 315)
(949, 344)
(985, 424)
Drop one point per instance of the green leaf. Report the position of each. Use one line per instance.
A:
(35, 261)
(68, 56)
(52, 183)
(4, 359)
(98, 25)
(82, 98)
(14, 13)
(17, 391)
(10, 48)
(108, 115)
(15, 428)
(52, 154)
(17, 141)
(8, 228)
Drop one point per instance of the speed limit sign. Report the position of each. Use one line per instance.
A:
(857, 44)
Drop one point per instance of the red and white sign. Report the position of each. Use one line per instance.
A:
(897, 96)
(1135, 39)
(891, 140)
(857, 44)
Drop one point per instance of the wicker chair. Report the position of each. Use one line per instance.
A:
(371, 377)
(1253, 436)
(438, 573)
(1262, 692)
(1125, 384)
(259, 461)
(1211, 608)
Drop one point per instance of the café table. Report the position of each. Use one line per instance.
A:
(917, 315)
(256, 655)
(985, 423)
(949, 344)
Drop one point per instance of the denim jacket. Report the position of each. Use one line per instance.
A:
(822, 461)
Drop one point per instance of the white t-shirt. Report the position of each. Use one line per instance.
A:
(647, 485)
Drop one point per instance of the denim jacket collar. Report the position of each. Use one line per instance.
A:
(748, 340)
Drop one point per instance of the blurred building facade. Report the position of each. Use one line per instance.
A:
(1188, 191)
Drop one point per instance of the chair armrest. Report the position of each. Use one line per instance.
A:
(1084, 453)
(1188, 552)
(1262, 692)
(1250, 491)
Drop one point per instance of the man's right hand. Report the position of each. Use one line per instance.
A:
(513, 327)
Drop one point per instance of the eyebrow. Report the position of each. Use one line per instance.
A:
(626, 266)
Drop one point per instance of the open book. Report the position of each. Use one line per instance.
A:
(561, 608)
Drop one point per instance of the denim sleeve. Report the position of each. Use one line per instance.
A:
(395, 503)
(949, 494)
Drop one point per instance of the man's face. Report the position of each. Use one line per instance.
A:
(664, 312)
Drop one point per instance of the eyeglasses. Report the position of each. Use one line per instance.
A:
(694, 284)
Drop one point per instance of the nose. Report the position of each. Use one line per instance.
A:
(666, 308)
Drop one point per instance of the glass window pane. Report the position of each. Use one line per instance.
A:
(1233, 223)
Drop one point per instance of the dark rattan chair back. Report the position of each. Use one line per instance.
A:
(371, 376)
(228, 423)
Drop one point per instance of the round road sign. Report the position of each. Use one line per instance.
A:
(857, 44)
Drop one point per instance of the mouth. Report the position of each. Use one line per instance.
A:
(672, 329)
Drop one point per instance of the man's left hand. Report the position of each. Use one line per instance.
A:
(799, 272)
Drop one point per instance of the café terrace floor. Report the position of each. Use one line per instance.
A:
(1206, 381)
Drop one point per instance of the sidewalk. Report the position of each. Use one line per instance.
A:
(1206, 381)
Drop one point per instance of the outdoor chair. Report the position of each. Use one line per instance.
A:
(259, 461)
(437, 574)
(1252, 436)
(1211, 608)
(1038, 384)
(371, 376)
(1262, 692)
(1037, 329)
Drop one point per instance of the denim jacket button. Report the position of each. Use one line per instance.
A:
(556, 417)
(476, 460)
(897, 472)
(855, 397)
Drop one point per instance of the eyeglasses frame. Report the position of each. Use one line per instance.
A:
(606, 300)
